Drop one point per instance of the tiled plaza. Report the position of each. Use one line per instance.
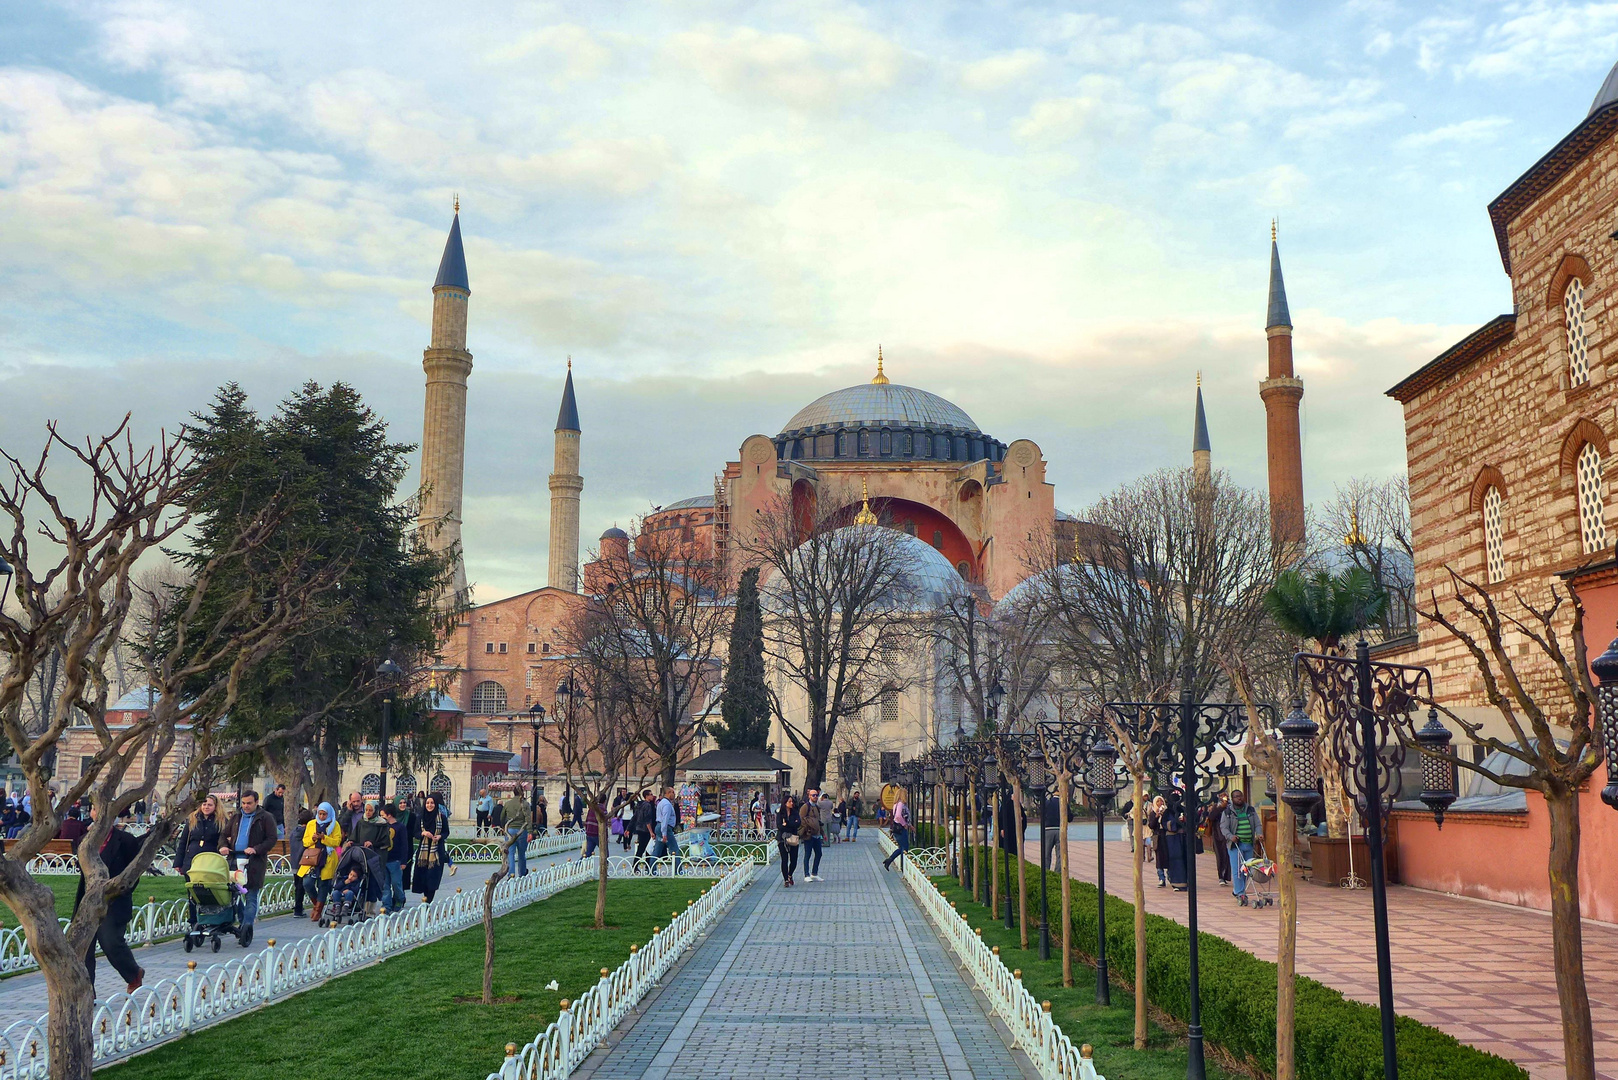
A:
(842, 977)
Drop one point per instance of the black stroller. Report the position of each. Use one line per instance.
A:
(347, 904)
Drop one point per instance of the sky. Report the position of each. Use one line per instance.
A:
(1054, 215)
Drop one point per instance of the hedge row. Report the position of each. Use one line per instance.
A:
(1336, 1039)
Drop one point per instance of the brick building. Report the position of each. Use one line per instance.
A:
(1508, 437)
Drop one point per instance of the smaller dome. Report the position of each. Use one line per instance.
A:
(136, 700)
(1607, 94)
(615, 533)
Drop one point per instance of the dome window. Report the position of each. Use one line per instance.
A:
(865, 443)
(887, 443)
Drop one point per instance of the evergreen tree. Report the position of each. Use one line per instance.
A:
(324, 464)
(745, 710)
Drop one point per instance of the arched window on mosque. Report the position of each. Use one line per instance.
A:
(865, 443)
(1493, 535)
(1578, 356)
(1592, 500)
(488, 698)
(890, 706)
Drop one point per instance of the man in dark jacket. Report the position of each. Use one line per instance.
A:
(249, 834)
(393, 897)
(1050, 827)
(275, 804)
(117, 852)
(645, 819)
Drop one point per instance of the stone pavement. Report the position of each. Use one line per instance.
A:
(23, 997)
(842, 977)
(1481, 971)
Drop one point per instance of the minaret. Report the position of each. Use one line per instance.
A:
(1281, 393)
(566, 483)
(443, 430)
(1201, 451)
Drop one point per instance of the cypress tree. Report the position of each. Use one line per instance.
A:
(745, 710)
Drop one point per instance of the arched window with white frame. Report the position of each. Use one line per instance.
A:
(1493, 535)
(1592, 487)
(1578, 356)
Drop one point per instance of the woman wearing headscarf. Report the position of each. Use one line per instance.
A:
(431, 855)
(787, 824)
(1176, 843)
(323, 835)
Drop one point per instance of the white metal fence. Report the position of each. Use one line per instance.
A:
(1047, 1045)
(169, 1008)
(555, 1052)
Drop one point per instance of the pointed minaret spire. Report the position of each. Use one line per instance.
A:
(1281, 393)
(1201, 449)
(566, 484)
(443, 436)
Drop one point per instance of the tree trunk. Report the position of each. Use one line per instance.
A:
(1331, 785)
(1567, 935)
(602, 837)
(1022, 864)
(1067, 885)
(69, 992)
(1286, 950)
(970, 813)
(488, 930)
(327, 774)
(1140, 911)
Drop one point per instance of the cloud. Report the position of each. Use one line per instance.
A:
(1476, 130)
(838, 65)
(1002, 70)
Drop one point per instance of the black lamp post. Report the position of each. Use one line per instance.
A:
(1370, 706)
(387, 671)
(1101, 781)
(1605, 667)
(955, 769)
(536, 716)
(1038, 776)
(1006, 822)
(929, 781)
(989, 777)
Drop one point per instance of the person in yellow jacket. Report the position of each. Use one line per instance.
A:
(328, 834)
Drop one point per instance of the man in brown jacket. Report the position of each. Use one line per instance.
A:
(811, 833)
(249, 834)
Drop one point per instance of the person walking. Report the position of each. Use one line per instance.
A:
(755, 813)
(374, 836)
(431, 855)
(1050, 826)
(828, 818)
(249, 835)
(811, 830)
(275, 804)
(1213, 819)
(566, 809)
(542, 816)
(397, 858)
(668, 823)
(851, 816)
(318, 864)
(1157, 826)
(788, 826)
(482, 809)
(118, 850)
(1176, 843)
(199, 833)
(295, 848)
(1241, 826)
(899, 827)
(516, 826)
(624, 822)
(592, 831)
(644, 824)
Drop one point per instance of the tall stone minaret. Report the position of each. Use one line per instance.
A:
(1201, 450)
(566, 483)
(1281, 393)
(443, 431)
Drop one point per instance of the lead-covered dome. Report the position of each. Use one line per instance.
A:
(875, 404)
(883, 420)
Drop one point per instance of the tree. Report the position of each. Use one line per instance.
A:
(72, 592)
(1325, 608)
(1552, 736)
(745, 709)
(1371, 519)
(325, 461)
(838, 609)
(1007, 646)
(1169, 576)
(651, 640)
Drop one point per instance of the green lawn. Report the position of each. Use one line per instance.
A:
(1109, 1029)
(168, 887)
(399, 1018)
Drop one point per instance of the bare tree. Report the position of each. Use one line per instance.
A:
(981, 648)
(1370, 518)
(72, 592)
(838, 615)
(865, 736)
(655, 637)
(1551, 736)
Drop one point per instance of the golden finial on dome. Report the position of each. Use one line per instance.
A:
(865, 517)
(881, 379)
(1354, 538)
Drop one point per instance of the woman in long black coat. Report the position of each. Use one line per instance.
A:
(199, 833)
(431, 855)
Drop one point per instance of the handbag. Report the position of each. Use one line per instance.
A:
(313, 856)
(792, 840)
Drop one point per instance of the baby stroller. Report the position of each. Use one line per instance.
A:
(215, 904)
(1260, 881)
(347, 903)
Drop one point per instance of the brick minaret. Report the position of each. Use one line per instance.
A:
(566, 483)
(1281, 393)
(443, 433)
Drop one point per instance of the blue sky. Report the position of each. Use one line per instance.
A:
(1054, 215)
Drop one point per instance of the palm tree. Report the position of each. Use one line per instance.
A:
(1325, 608)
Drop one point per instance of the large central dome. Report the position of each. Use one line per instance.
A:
(878, 404)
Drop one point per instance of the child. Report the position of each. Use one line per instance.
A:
(348, 885)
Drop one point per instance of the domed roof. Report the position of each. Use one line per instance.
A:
(1608, 92)
(874, 404)
(615, 533)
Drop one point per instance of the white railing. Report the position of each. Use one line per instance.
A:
(48, 864)
(581, 1026)
(168, 1008)
(1046, 1044)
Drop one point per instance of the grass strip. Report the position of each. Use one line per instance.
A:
(1110, 1029)
(399, 1018)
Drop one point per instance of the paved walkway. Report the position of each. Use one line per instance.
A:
(23, 997)
(842, 977)
(1482, 972)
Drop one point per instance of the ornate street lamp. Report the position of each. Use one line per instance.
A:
(1369, 706)
(989, 777)
(1298, 772)
(388, 672)
(1011, 749)
(1101, 781)
(997, 694)
(1038, 776)
(536, 716)
(1605, 667)
(929, 780)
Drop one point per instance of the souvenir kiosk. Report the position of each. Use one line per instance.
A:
(719, 786)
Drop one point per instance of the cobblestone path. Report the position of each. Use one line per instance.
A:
(842, 977)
